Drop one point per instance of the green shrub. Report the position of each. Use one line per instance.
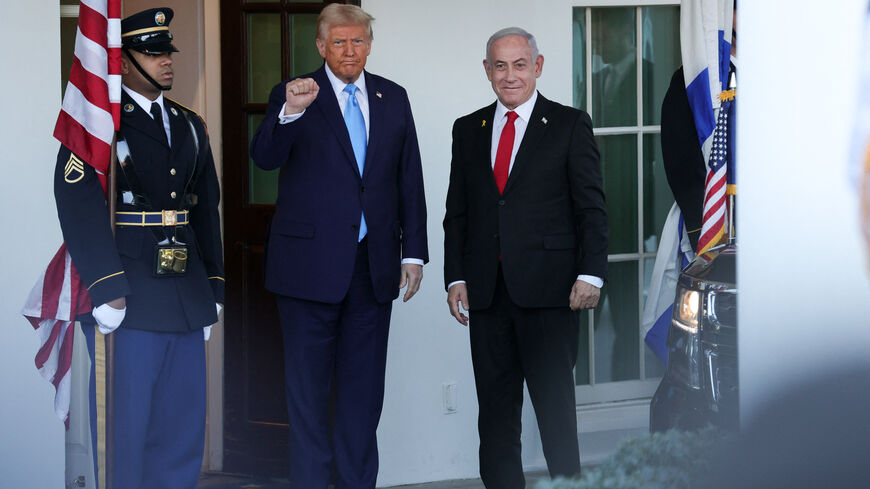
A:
(656, 461)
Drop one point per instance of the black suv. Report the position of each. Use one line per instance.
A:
(700, 384)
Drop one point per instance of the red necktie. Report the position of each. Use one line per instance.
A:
(503, 154)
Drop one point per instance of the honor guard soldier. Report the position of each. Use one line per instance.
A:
(158, 284)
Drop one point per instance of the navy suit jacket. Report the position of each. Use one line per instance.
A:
(312, 241)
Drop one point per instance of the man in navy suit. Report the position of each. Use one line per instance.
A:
(525, 241)
(349, 231)
(157, 285)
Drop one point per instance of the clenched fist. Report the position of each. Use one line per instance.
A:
(300, 93)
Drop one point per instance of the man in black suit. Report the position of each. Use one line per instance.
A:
(525, 246)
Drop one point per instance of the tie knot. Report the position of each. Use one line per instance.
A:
(512, 116)
(350, 88)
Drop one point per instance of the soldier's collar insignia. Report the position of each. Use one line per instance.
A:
(128, 108)
(74, 169)
(174, 112)
(159, 18)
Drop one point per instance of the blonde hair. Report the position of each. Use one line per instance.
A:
(339, 14)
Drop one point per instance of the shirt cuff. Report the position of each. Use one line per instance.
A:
(287, 119)
(412, 261)
(451, 284)
(592, 280)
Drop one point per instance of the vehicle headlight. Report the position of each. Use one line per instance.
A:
(684, 341)
(686, 309)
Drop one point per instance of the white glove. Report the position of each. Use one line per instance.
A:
(206, 331)
(108, 318)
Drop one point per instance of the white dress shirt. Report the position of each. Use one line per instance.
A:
(524, 113)
(362, 98)
(142, 101)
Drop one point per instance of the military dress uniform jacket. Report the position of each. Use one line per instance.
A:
(124, 265)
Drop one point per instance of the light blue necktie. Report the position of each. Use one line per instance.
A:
(356, 128)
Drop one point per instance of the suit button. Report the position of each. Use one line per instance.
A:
(172, 194)
(495, 235)
(172, 171)
(501, 202)
(362, 189)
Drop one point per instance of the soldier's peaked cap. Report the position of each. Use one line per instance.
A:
(148, 31)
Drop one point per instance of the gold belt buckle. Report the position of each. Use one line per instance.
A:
(170, 218)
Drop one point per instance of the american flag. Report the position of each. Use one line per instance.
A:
(713, 226)
(91, 110)
(52, 306)
(89, 117)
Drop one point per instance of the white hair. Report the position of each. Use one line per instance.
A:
(512, 31)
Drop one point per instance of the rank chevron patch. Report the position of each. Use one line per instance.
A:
(74, 170)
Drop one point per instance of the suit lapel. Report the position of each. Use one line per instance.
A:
(375, 111)
(139, 119)
(483, 145)
(327, 103)
(534, 132)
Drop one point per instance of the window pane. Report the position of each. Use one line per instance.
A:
(661, 57)
(264, 55)
(657, 196)
(579, 76)
(304, 57)
(263, 184)
(617, 325)
(654, 368)
(614, 67)
(619, 168)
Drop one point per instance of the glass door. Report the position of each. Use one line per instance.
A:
(624, 57)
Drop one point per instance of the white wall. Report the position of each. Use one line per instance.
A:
(31, 436)
(802, 272)
(435, 50)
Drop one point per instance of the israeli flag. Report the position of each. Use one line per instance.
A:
(675, 252)
(705, 45)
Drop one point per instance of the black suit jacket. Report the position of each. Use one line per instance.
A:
(124, 265)
(549, 225)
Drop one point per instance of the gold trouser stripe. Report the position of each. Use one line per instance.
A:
(104, 278)
(100, 371)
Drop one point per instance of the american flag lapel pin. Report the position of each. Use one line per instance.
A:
(378, 95)
(544, 120)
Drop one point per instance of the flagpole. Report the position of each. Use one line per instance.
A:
(111, 197)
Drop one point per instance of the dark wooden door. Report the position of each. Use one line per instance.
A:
(262, 43)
